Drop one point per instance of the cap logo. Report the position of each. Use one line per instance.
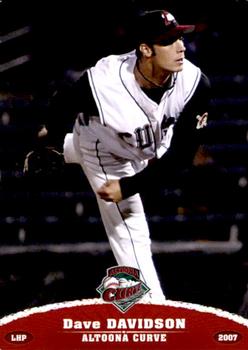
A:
(168, 18)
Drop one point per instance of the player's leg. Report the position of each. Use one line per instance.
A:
(125, 223)
(126, 227)
(129, 237)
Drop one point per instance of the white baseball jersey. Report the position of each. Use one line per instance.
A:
(131, 124)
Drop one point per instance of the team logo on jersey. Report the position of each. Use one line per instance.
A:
(122, 287)
(202, 120)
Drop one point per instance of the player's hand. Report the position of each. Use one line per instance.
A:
(110, 191)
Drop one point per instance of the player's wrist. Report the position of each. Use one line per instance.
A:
(128, 186)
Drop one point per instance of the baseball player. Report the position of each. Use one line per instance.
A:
(128, 109)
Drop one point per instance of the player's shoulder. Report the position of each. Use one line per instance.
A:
(188, 79)
(203, 86)
(205, 81)
(203, 78)
(82, 95)
(109, 59)
(108, 67)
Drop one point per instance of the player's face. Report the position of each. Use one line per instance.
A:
(170, 57)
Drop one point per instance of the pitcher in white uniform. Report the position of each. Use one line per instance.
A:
(128, 107)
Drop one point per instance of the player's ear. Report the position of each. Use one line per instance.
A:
(146, 50)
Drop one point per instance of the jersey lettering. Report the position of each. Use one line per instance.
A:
(165, 124)
(144, 136)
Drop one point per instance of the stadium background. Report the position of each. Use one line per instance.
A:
(52, 244)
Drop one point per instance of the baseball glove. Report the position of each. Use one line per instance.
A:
(43, 162)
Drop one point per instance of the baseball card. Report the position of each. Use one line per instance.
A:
(123, 175)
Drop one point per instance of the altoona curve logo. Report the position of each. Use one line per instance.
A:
(122, 287)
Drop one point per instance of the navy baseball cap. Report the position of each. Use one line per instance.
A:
(159, 26)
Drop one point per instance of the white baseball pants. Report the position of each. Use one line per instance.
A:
(125, 222)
